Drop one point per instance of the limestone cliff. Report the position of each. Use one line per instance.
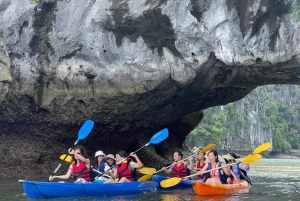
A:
(132, 66)
(268, 114)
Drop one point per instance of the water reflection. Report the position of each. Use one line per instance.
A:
(219, 197)
(273, 180)
(170, 198)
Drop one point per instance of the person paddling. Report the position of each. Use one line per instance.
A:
(215, 176)
(99, 162)
(181, 169)
(101, 165)
(80, 168)
(200, 163)
(238, 171)
(111, 161)
(126, 170)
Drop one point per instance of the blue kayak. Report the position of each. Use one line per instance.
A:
(38, 189)
(182, 184)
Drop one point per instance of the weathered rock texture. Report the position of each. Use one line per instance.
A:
(132, 66)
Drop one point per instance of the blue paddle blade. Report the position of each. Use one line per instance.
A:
(85, 130)
(160, 136)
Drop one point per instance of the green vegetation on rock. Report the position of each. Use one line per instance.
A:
(297, 7)
(268, 113)
(33, 1)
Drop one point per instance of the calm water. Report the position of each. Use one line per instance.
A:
(273, 179)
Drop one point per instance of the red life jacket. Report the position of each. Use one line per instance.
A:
(123, 171)
(81, 171)
(198, 166)
(180, 171)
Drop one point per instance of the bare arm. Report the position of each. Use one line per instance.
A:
(191, 165)
(167, 170)
(138, 163)
(66, 176)
(80, 157)
(201, 171)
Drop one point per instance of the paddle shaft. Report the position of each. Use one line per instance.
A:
(176, 163)
(60, 164)
(210, 170)
(102, 173)
(127, 157)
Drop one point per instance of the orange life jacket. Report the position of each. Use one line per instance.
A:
(81, 171)
(123, 171)
(198, 166)
(180, 171)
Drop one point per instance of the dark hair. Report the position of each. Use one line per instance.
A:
(234, 156)
(96, 161)
(215, 154)
(179, 153)
(82, 151)
(122, 153)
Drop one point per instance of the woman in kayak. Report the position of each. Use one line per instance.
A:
(238, 171)
(126, 168)
(99, 162)
(80, 168)
(180, 169)
(200, 163)
(218, 171)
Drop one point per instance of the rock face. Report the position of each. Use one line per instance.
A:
(132, 66)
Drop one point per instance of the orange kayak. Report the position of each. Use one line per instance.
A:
(220, 189)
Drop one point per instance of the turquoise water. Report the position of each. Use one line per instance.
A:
(273, 179)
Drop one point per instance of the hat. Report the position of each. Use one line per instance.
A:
(110, 156)
(228, 156)
(99, 153)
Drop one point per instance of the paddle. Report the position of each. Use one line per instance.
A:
(102, 173)
(157, 138)
(83, 133)
(149, 174)
(68, 159)
(262, 148)
(175, 180)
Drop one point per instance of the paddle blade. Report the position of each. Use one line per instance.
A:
(85, 130)
(251, 159)
(207, 148)
(145, 177)
(69, 159)
(170, 182)
(160, 136)
(262, 148)
(147, 170)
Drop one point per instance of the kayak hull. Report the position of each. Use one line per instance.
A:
(37, 189)
(182, 184)
(220, 189)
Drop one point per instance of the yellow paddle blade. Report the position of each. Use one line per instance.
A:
(251, 159)
(208, 147)
(147, 170)
(69, 158)
(145, 177)
(170, 182)
(262, 148)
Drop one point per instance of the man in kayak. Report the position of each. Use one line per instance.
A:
(218, 171)
(126, 170)
(80, 168)
(180, 169)
(238, 171)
